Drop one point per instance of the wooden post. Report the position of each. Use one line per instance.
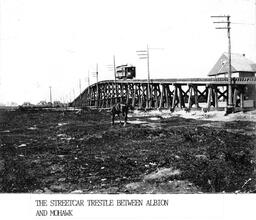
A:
(140, 95)
(209, 98)
(134, 91)
(115, 92)
(150, 96)
(104, 96)
(147, 97)
(167, 96)
(161, 96)
(180, 97)
(174, 97)
(196, 97)
(235, 96)
(156, 95)
(121, 93)
(242, 99)
(145, 93)
(190, 97)
(127, 93)
(216, 100)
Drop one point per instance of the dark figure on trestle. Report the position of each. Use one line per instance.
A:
(118, 109)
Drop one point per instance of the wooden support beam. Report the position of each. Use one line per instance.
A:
(195, 88)
(209, 98)
(156, 96)
(190, 97)
(235, 97)
(150, 96)
(216, 100)
(141, 95)
(203, 95)
(242, 99)
(134, 94)
(181, 97)
(121, 93)
(115, 93)
(167, 98)
(147, 97)
(174, 97)
(108, 95)
(127, 93)
(161, 96)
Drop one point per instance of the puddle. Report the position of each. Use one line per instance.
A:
(62, 124)
(33, 128)
(154, 119)
(138, 122)
(5, 131)
(22, 145)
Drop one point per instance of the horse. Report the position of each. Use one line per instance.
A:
(118, 109)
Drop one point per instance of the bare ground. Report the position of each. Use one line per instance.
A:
(51, 151)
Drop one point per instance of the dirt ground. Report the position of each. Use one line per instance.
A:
(50, 151)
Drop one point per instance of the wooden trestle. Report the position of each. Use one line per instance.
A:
(165, 93)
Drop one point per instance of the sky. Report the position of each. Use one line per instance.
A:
(56, 43)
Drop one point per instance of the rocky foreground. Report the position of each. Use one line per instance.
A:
(51, 151)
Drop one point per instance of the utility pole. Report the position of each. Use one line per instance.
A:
(227, 27)
(50, 94)
(254, 30)
(113, 68)
(144, 54)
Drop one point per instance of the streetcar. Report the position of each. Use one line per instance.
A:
(125, 72)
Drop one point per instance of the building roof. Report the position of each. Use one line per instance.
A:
(239, 63)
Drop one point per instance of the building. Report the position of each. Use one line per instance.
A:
(240, 67)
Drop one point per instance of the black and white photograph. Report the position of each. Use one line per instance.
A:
(114, 107)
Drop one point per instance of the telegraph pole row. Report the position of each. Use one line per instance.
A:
(227, 27)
